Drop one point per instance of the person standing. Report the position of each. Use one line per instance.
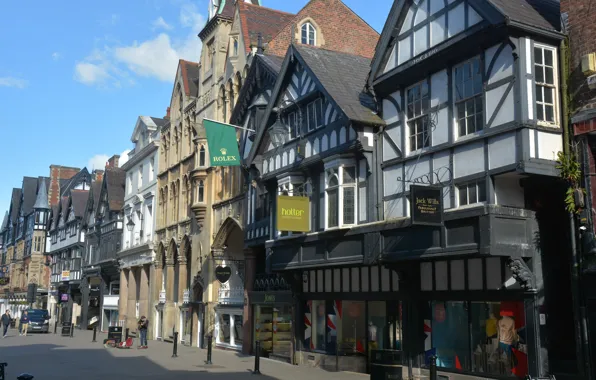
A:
(5, 323)
(143, 326)
(24, 323)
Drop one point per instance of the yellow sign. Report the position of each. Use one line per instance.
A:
(293, 213)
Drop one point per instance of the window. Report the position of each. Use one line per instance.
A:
(468, 97)
(341, 190)
(235, 46)
(495, 331)
(292, 123)
(140, 182)
(309, 34)
(202, 156)
(471, 193)
(417, 113)
(201, 192)
(314, 114)
(544, 67)
(129, 185)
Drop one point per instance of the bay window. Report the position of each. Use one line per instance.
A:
(340, 194)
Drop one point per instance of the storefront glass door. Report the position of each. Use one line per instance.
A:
(273, 328)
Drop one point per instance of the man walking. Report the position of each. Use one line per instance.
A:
(143, 326)
(5, 323)
(24, 323)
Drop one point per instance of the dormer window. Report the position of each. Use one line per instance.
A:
(309, 34)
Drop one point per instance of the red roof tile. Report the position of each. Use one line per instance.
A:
(256, 19)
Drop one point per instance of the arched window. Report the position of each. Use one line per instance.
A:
(332, 199)
(202, 156)
(309, 34)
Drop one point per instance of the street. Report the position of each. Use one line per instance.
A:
(53, 357)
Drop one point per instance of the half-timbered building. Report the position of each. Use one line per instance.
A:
(469, 92)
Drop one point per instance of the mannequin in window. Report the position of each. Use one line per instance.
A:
(372, 336)
(508, 337)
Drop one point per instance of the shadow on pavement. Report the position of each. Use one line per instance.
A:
(53, 362)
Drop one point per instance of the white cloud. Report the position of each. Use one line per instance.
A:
(156, 57)
(56, 56)
(161, 23)
(91, 73)
(123, 157)
(97, 162)
(13, 82)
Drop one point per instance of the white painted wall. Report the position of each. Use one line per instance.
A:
(508, 191)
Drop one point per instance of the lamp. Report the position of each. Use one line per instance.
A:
(130, 225)
(278, 132)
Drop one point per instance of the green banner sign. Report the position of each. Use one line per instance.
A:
(222, 142)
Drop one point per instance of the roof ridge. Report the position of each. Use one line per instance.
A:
(266, 8)
(306, 46)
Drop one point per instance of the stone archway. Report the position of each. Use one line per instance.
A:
(224, 232)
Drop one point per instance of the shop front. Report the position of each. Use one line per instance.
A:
(186, 319)
(273, 323)
(110, 315)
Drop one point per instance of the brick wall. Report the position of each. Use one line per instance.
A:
(57, 173)
(338, 29)
(582, 35)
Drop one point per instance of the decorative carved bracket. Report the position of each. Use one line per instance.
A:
(522, 273)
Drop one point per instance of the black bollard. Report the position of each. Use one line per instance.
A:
(126, 333)
(209, 338)
(257, 358)
(2, 365)
(175, 353)
(55, 326)
(94, 334)
(71, 330)
(433, 367)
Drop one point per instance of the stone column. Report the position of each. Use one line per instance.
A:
(123, 298)
(169, 309)
(155, 288)
(131, 308)
(143, 286)
(250, 267)
(84, 303)
(182, 277)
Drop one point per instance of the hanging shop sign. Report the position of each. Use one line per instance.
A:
(4, 280)
(4, 271)
(65, 275)
(426, 205)
(223, 274)
(222, 143)
(293, 213)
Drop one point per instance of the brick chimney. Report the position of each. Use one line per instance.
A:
(113, 161)
(97, 175)
(57, 173)
(167, 117)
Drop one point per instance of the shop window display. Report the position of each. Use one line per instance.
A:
(238, 334)
(494, 329)
(273, 328)
(224, 328)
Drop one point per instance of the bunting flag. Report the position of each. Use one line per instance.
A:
(222, 142)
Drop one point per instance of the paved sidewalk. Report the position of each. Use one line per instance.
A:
(49, 356)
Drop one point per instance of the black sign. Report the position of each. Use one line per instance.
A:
(426, 205)
(271, 297)
(66, 329)
(223, 274)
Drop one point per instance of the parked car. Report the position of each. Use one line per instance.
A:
(39, 320)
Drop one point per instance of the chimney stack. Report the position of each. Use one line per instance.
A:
(113, 161)
(259, 44)
(97, 175)
(57, 173)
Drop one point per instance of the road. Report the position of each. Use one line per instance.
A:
(52, 357)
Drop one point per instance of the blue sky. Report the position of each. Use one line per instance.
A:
(75, 75)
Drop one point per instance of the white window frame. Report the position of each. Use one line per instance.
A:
(308, 27)
(129, 184)
(140, 177)
(555, 85)
(312, 107)
(468, 185)
(339, 167)
(465, 100)
(427, 142)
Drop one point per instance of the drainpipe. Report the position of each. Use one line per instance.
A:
(580, 323)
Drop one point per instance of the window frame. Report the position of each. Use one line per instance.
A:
(468, 186)
(305, 31)
(477, 96)
(554, 86)
(338, 171)
(140, 177)
(424, 114)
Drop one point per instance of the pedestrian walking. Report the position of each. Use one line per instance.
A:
(143, 325)
(24, 323)
(5, 323)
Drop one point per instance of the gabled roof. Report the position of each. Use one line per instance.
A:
(114, 185)
(79, 201)
(151, 123)
(4, 222)
(63, 208)
(71, 183)
(53, 219)
(42, 195)
(29, 194)
(256, 19)
(340, 76)
(15, 205)
(190, 77)
(273, 61)
(543, 14)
